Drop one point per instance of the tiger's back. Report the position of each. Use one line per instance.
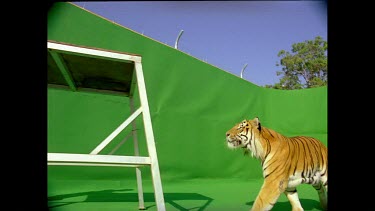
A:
(302, 159)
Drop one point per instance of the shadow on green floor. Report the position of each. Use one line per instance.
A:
(121, 196)
(307, 204)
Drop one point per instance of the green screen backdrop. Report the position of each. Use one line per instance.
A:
(192, 105)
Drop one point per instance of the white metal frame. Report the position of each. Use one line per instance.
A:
(93, 159)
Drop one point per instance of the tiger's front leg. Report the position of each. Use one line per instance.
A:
(268, 195)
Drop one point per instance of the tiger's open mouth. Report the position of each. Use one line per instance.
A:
(234, 143)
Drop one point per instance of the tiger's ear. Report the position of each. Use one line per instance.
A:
(257, 122)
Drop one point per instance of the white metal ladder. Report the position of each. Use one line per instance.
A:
(93, 158)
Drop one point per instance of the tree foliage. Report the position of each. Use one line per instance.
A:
(304, 67)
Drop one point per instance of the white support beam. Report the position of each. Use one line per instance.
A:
(94, 52)
(133, 84)
(64, 70)
(120, 144)
(138, 172)
(159, 196)
(106, 141)
(91, 164)
(109, 159)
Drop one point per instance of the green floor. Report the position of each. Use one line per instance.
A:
(199, 194)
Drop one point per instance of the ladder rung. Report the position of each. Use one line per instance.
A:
(98, 159)
(93, 164)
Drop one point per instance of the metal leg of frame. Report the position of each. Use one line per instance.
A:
(136, 153)
(158, 190)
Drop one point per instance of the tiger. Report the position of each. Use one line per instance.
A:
(286, 163)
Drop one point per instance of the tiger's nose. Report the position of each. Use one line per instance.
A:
(227, 134)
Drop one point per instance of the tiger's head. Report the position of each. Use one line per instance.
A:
(244, 135)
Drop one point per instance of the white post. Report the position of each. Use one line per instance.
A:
(158, 190)
(136, 153)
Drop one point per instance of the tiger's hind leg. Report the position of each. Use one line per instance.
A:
(292, 195)
(322, 189)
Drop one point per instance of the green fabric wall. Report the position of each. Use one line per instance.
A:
(192, 105)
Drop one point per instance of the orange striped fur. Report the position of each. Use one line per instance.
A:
(286, 161)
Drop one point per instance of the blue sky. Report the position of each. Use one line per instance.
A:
(226, 34)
